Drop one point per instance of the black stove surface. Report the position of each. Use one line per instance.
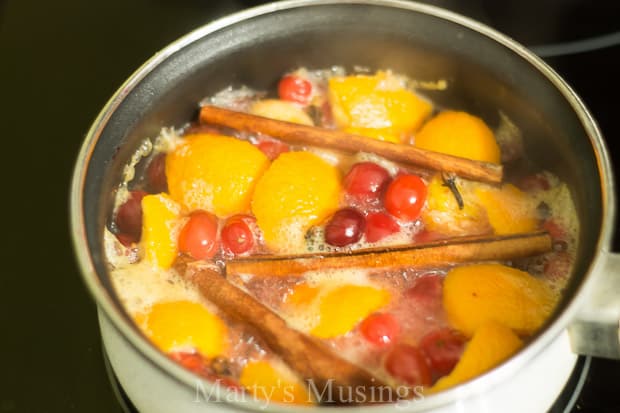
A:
(59, 63)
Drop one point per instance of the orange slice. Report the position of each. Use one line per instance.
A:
(459, 134)
(508, 208)
(476, 294)
(297, 191)
(343, 308)
(265, 381)
(160, 219)
(443, 215)
(377, 106)
(214, 173)
(303, 294)
(179, 325)
(491, 344)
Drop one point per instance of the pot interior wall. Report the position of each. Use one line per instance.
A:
(484, 78)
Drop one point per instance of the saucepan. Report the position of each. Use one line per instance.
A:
(484, 70)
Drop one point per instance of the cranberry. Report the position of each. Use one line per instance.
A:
(379, 225)
(345, 227)
(191, 361)
(443, 348)
(129, 217)
(198, 238)
(366, 181)
(536, 182)
(405, 197)
(555, 230)
(407, 363)
(295, 89)
(156, 174)
(427, 290)
(380, 328)
(237, 235)
(272, 148)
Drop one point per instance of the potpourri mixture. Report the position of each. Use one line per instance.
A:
(210, 195)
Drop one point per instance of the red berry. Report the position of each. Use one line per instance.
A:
(125, 239)
(427, 290)
(129, 217)
(379, 225)
(191, 361)
(557, 265)
(536, 182)
(345, 227)
(443, 348)
(554, 229)
(366, 181)
(237, 235)
(380, 328)
(295, 89)
(405, 197)
(272, 149)
(198, 238)
(156, 174)
(407, 363)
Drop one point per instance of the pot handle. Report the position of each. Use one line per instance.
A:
(596, 329)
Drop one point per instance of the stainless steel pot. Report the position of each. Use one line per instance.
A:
(486, 73)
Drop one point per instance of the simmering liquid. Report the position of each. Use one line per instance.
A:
(211, 194)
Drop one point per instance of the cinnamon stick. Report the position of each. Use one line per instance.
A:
(313, 361)
(332, 139)
(453, 250)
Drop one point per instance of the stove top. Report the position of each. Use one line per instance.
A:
(60, 63)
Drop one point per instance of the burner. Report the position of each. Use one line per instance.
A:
(567, 400)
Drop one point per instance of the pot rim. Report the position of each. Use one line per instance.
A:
(479, 384)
